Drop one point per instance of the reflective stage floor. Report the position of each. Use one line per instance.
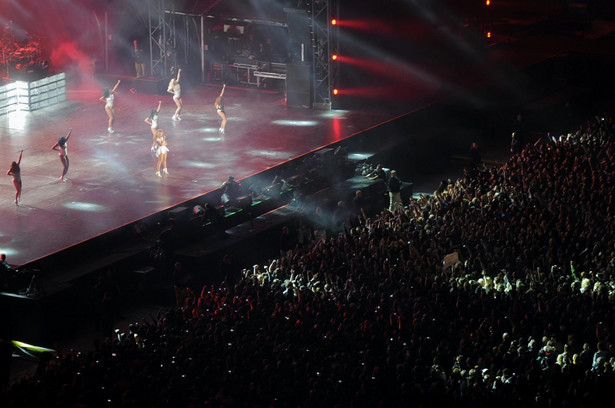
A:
(111, 179)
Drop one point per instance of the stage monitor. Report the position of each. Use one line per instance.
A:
(298, 85)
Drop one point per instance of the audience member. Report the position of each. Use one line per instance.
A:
(378, 174)
(394, 186)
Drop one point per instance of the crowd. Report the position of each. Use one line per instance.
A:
(519, 315)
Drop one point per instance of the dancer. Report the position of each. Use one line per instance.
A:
(62, 147)
(108, 97)
(152, 119)
(220, 109)
(15, 171)
(159, 146)
(175, 89)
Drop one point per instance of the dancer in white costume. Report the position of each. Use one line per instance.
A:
(152, 119)
(176, 89)
(108, 96)
(159, 146)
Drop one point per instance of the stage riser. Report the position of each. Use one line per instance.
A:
(148, 85)
(151, 86)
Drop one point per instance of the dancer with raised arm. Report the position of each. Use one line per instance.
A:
(152, 119)
(176, 89)
(220, 109)
(62, 147)
(15, 171)
(159, 146)
(108, 96)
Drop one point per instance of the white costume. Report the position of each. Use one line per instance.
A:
(177, 89)
(155, 122)
(109, 99)
(160, 149)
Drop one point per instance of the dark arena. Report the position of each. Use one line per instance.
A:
(307, 203)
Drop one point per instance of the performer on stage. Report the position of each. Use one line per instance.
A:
(15, 171)
(108, 95)
(139, 58)
(62, 147)
(175, 89)
(152, 119)
(159, 146)
(220, 109)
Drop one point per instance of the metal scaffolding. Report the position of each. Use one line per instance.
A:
(321, 61)
(159, 31)
(172, 36)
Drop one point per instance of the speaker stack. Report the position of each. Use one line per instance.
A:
(298, 89)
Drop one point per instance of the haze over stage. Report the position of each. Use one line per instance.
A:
(111, 177)
(111, 180)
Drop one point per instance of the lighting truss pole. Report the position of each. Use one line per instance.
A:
(321, 69)
(164, 23)
(161, 38)
(334, 40)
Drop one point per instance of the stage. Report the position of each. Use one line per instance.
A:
(111, 179)
(112, 182)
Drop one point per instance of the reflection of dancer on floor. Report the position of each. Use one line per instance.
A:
(220, 109)
(108, 97)
(152, 119)
(176, 89)
(160, 148)
(62, 147)
(15, 171)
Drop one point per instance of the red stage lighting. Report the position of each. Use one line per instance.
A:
(487, 2)
(335, 91)
(333, 22)
(334, 57)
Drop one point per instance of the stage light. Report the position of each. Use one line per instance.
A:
(488, 34)
(335, 91)
(487, 2)
(198, 211)
(30, 347)
(334, 57)
(300, 123)
(198, 164)
(333, 22)
(83, 206)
